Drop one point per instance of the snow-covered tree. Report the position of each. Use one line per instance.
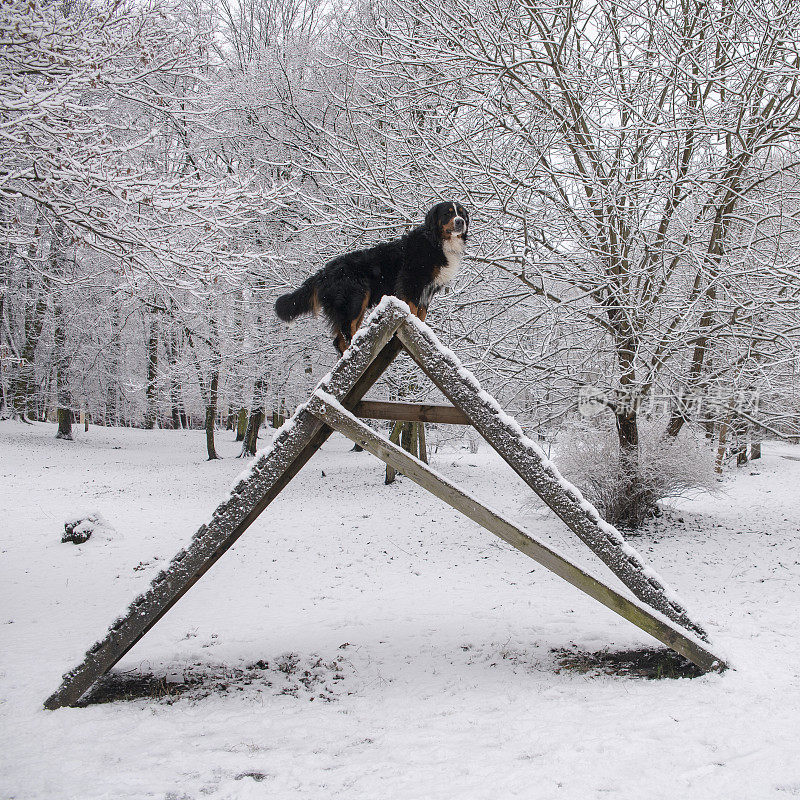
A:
(616, 156)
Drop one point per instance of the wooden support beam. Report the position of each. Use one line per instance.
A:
(411, 412)
(526, 458)
(374, 349)
(336, 416)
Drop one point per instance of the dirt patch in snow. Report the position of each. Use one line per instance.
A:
(304, 677)
(650, 663)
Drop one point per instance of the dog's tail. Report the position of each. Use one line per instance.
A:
(300, 301)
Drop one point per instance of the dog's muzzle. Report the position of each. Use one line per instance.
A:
(459, 226)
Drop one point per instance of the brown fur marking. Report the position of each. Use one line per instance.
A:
(340, 342)
(356, 323)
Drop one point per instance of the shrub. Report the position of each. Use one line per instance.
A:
(588, 456)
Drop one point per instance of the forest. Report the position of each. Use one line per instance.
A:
(622, 336)
(631, 170)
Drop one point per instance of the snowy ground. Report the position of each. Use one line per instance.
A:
(365, 641)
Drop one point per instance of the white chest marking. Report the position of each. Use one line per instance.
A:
(454, 252)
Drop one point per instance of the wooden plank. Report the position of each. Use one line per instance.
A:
(328, 409)
(526, 458)
(411, 412)
(372, 351)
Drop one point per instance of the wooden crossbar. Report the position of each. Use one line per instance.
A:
(411, 412)
(327, 409)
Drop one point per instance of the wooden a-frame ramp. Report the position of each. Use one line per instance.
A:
(389, 329)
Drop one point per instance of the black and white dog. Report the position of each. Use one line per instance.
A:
(412, 268)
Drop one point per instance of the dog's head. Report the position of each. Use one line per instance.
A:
(446, 221)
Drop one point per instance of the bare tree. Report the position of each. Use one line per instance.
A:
(614, 152)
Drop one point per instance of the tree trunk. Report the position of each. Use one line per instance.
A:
(151, 410)
(722, 446)
(213, 387)
(741, 436)
(211, 416)
(111, 416)
(176, 401)
(22, 388)
(64, 424)
(22, 383)
(239, 366)
(250, 441)
(628, 438)
(6, 257)
(676, 420)
(176, 414)
(62, 359)
(241, 424)
(257, 416)
(279, 414)
(3, 402)
(701, 353)
(638, 502)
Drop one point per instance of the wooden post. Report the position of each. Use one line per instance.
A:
(394, 437)
(407, 441)
(423, 445)
(332, 413)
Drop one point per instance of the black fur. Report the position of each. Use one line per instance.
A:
(408, 268)
(290, 306)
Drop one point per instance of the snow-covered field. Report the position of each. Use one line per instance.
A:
(365, 641)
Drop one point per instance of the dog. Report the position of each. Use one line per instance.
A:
(413, 268)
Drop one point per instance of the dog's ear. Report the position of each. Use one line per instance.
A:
(431, 225)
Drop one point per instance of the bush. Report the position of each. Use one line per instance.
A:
(588, 456)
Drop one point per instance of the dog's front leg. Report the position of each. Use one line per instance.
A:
(340, 342)
(420, 312)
